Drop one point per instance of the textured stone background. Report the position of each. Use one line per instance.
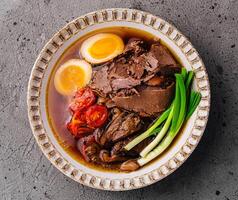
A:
(210, 173)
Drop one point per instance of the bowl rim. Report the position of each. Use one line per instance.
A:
(72, 28)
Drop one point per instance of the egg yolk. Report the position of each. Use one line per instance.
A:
(72, 77)
(103, 48)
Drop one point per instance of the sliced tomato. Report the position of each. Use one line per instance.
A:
(77, 125)
(83, 98)
(96, 116)
(79, 131)
(79, 118)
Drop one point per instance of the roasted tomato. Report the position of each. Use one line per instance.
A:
(78, 131)
(79, 118)
(96, 116)
(77, 125)
(83, 99)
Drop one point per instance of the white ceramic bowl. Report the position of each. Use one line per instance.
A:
(36, 99)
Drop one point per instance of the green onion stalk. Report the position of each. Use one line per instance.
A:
(167, 126)
(177, 122)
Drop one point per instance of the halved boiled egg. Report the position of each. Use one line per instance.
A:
(72, 75)
(101, 47)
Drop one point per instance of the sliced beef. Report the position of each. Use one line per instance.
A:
(136, 70)
(100, 81)
(135, 46)
(142, 67)
(120, 127)
(158, 59)
(125, 73)
(149, 63)
(122, 72)
(118, 70)
(162, 55)
(126, 70)
(124, 83)
(149, 102)
(127, 92)
(136, 66)
(89, 148)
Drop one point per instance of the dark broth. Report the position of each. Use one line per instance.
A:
(57, 105)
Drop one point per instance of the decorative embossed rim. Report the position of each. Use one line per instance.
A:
(72, 28)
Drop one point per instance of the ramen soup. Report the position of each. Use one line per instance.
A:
(113, 99)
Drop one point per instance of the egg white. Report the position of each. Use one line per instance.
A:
(82, 64)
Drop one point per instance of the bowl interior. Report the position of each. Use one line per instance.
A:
(165, 157)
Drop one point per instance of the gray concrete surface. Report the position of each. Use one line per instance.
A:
(210, 173)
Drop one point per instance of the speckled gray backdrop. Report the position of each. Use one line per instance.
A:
(210, 173)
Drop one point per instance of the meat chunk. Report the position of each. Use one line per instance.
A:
(120, 127)
(136, 70)
(160, 81)
(100, 81)
(149, 102)
(107, 158)
(122, 72)
(156, 81)
(89, 148)
(126, 70)
(127, 92)
(135, 46)
(124, 83)
(149, 63)
(129, 165)
(158, 58)
(118, 148)
(162, 55)
(118, 70)
(134, 66)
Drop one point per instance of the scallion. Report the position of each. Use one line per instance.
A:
(173, 130)
(167, 126)
(147, 133)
